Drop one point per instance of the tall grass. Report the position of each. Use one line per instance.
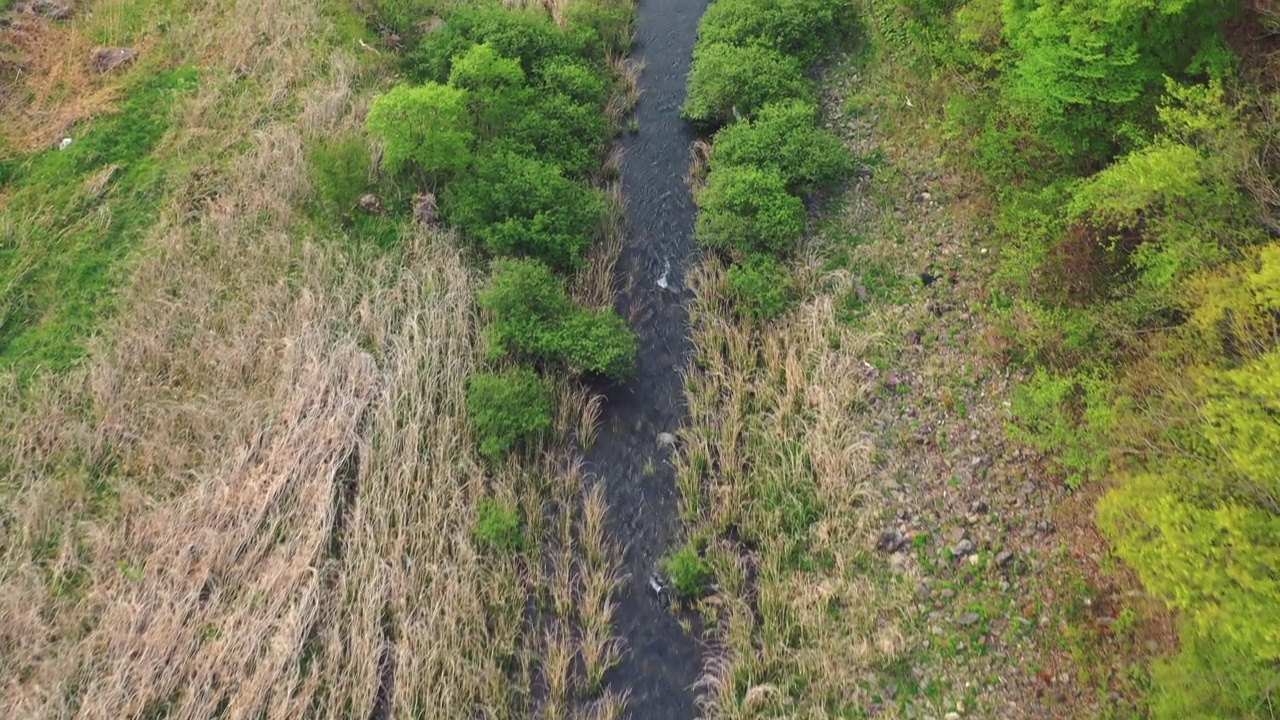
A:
(256, 494)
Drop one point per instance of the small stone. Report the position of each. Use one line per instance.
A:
(370, 203)
(947, 593)
(962, 548)
(1004, 558)
(666, 440)
(108, 59)
(890, 541)
(968, 618)
(980, 508)
(973, 560)
(52, 9)
(951, 716)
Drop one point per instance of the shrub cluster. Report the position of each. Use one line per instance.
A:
(534, 318)
(505, 119)
(748, 79)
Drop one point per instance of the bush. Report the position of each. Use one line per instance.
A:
(760, 288)
(534, 317)
(610, 21)
(746, 209)
(574, 79)
(785, 138)
(340, 173)
(528, 36)
(555, 129)
(508, 410)
(688, 572)
(804, 29)
(599, 342)
(521, 206)
(424, 128)
(498, 526)
(481, 69)
(728, 81)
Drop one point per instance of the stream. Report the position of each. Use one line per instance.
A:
(661, 661)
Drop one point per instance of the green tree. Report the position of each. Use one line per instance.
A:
(425, 128)
(482, 69)
(1084, 68)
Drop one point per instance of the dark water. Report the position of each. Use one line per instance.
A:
(661, 661)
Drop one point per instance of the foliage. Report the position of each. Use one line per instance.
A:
(803, 29)
(424, 128)
(1072, 416)
(747, 209)
(517, 205)
(785, 138)
(556, 129)
(482, 69)
(498, 526)
(534, 317)
(528, 35)
(611, 23)
(508, 410)
(1083, 69)
(728, 81)
(340, 172)
(760, 288)
(689, 573)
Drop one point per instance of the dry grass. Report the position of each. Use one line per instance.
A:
(771, 434)
(257, 496)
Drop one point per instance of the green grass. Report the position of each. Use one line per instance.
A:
(72, 216)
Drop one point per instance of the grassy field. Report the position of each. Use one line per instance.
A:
(238, 473)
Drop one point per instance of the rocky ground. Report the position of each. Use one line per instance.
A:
(1018, 610)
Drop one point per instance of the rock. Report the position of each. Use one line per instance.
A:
(370, 203)
(946, 593)
(52, 9)
(980, 508)
(890, 541)
(1004, 558)
(107, 59)
(951, 716)
(666, 440)
(962, 548)
(968, 618)
(425, 212)
(955, 535)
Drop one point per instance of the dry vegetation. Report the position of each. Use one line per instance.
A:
(257, 495)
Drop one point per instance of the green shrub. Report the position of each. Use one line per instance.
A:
(599, 342)
(611, 23)
(555, 129)
(482, 69)
(688, 572)
(521, 206)
(1071, 416)
(424, 128)
(746, 209)
(760, 288)
(498, 526)
(340, 173)
(526, 35)
(728, 81)
(803, 29)
(785, 138)
(534, 317)
(508, 410)
(575, 79)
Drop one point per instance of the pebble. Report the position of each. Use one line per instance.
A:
(968, 618)
(962, 548)
(666, 440)
(1004, 558)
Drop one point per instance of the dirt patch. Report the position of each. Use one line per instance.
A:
(48, 82)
